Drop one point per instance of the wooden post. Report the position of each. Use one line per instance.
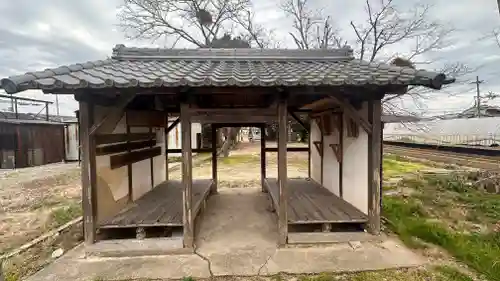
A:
(166, 146)
(88, 173)
(341, 161)
(374, 159)
(214, 158)
(151, 163)
(322, 139)
(187, 176)
(309, 154)
(129, 166)
(282, 173)
(262, 156)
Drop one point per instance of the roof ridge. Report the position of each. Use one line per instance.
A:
(120, 51)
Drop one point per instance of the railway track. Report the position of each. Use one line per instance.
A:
(446, 157)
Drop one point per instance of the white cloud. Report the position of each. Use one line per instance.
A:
(38, 34)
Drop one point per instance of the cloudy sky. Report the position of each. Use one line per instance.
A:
(38, 34)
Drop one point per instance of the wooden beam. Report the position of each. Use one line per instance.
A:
(108, 123)
(187, 177)
(171, 126)
(118, 138)
(282, 173)
(353, 113)
(319, 147)
(120, 160)
(143, 118)
(234, 119)
(214, 158)
(263, 157)
(88, 173)
(123, 147)
(294, 116)
(374, 159)
(194, 150)
(288, 149)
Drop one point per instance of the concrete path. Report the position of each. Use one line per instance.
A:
(236, 236)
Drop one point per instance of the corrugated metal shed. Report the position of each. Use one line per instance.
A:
(26, 143)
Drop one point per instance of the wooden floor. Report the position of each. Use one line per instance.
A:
(310, 203)
(162, 206)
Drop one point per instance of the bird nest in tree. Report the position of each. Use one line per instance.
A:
(204, 17)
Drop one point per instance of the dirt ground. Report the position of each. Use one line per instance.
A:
(242, 167)
(33, 200)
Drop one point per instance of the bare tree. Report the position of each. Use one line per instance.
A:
(311, 29)
(385, 26)
(195, 22)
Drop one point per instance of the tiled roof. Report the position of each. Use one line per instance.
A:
(146, 67)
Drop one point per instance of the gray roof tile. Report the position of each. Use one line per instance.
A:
(147, 67)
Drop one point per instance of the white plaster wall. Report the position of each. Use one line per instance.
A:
(159, 161)
(116, 179)
(331, 167)
(175, 136)
(141, 171)
(315, 135)
(112, 184)
(355, 167)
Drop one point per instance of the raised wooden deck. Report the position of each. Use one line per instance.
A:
(162, 206)
(310, 203)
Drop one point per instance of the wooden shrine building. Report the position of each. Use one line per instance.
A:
(125, 102)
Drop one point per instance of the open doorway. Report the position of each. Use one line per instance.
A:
(238, 215)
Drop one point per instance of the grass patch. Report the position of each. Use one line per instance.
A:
(240, 159)
(419, 217)
(64, 214)
(395, 167)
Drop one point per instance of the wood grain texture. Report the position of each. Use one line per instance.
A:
(282, 173)
(89, 177)
(117, 138)
(122, 147)
(120, 160)
(310, 203)
(374, 159)
(187, 176)
(162, 206)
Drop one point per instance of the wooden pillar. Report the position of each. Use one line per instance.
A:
(374, 159)
(322, 153)
(282, 173)
(214, 158)
(166, 146)
(262, 156)
(89, 176)
(309, 152)
(187, 176)
(129, 166)
(341, 160)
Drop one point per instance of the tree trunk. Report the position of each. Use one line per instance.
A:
(230, 140)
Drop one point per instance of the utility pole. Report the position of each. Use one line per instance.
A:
(57, 101)
(478, 95)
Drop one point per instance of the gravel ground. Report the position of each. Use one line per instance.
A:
(29, 197)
